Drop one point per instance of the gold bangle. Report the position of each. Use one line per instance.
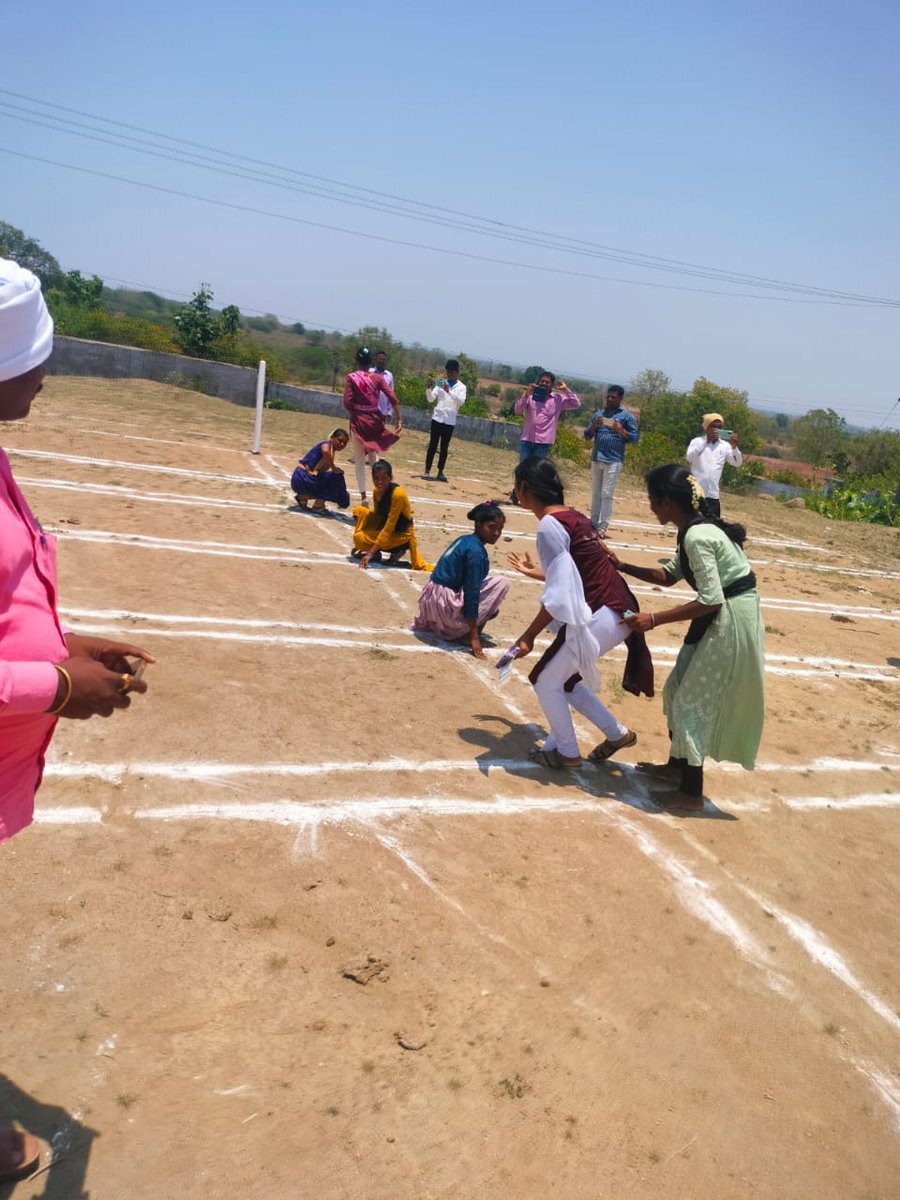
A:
(54, 712)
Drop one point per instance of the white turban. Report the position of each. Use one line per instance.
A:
(26, 327)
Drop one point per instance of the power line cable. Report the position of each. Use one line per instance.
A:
(245, 208)
(485, 225)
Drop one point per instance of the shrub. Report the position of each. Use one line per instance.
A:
(475, 407)
(740, 479)
(651, 450)
(410, 390)
(570, 445)
(850, 504)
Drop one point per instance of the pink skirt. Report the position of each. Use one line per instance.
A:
(441, 609)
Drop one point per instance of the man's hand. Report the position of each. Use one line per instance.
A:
(529, 391)
(96, 691)
(734, 441)
(560, 386)
(113, 655)
(366, 559)
(475, 643)
(619, 428)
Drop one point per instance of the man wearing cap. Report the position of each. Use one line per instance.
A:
(45, 672)
(708, 455)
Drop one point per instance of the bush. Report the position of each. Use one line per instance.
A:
(570, 445)
(410, 390)
(740, 479)
(849, 504)
(651, 450)
(475, 407)
(791, 478)
(100, 326)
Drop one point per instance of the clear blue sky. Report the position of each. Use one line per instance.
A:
(758, 138)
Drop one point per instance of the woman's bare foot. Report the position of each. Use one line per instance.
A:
(677, 801)
(660, 770)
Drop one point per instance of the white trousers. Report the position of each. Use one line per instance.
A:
(609, 630)
(604, 477)
(362, 459)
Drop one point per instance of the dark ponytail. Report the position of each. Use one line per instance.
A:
(540, 478)
(677, 484)
(486, 511)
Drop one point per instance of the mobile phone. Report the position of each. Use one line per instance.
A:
(726, 434)
(607, 421)
(505, 662)
(540, 394)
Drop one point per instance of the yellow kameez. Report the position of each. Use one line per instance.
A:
(367, 536)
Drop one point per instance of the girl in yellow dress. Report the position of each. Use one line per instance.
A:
(388, 525)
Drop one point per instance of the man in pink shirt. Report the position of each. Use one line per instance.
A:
(45, 672)
(542, 403)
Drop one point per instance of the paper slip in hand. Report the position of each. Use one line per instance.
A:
(505, 662)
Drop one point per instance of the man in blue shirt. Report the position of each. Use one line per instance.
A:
(612, 429)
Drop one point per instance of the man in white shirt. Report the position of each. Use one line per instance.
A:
(446, 395)
(384, 405)
(709, 454)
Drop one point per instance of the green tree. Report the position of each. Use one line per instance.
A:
(197, 327)
(28, 252)
(649, 383)
(819, 435)
(875, 453)
(231, 320)
(468, 373)
(74, 289)
(530, 375)
(782, 420)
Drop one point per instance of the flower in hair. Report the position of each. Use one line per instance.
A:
(696, 493)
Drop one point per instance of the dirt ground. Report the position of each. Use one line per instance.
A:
(562, 991)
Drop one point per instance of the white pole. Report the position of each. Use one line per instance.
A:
(260, 397)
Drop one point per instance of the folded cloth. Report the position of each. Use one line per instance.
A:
(26, 327)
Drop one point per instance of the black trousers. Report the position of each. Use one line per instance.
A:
(713, 507)
(440, 436)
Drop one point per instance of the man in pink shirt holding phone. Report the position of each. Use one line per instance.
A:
(542, 402)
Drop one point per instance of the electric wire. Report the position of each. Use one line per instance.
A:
(393, 241)
(405, 207)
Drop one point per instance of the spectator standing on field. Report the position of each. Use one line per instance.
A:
(708, 455)
(380, 368)
(447, 396)
(542, 402)
(612, 428)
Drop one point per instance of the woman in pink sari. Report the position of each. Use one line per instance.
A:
(367, 428)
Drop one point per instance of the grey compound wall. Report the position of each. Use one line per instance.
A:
(75, 356)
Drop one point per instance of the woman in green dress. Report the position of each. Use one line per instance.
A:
(714, 697)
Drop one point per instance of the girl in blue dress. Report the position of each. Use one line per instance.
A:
(318, 478)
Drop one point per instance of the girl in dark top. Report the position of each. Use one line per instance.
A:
(460, 598)
(585, 598)
(318, 478)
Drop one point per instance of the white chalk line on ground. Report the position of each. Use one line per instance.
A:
(326, 558)
(826, 670)
(134, 496)
(262, 472)
(266, 478)
(200, 771)
(120, 464)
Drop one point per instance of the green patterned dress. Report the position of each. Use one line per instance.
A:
(714, 699)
